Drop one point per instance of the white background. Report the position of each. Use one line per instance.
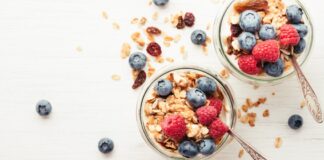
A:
(39, 60)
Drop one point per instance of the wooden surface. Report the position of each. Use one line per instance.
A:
(66, 52)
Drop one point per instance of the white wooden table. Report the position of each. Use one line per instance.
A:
(66, 52)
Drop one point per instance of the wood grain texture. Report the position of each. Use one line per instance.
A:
(39, 59)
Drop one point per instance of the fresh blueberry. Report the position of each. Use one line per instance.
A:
(250, 21)
(160, 2)
(43, 107)
(137, 60)
(247, 41)
(274, 69)
(105, 145)
(207, 146)
(267, 32)
(188, 149)
(164, 87)
(300, 46)
(295, 121)
(207, 85)
(196, 97)
(294, 14)
(198, 37)
(302, 29)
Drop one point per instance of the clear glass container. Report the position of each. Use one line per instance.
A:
(228, 116)
(221, 30)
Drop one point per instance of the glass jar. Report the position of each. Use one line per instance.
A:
(228, 116)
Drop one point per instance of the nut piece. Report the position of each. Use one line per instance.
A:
(241, 153)
(266, 113)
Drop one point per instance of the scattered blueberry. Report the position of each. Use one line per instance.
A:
(164, 87)
(43, 107)
(247, 41)
(137, 60)
(302, 29)
(207, 85)
(295, 121)
(105, 145)
(188, 149)
(294, 14)
(207, 146)
(250, 21)
(300, 46)
(160, 2)
(274, 69)
(267, 32)
(196, 97)
(198, 37)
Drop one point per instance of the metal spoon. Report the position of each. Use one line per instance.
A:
(309, 94)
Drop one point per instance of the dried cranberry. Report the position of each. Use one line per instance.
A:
(153, 30)
(236, 30)
(181, 23)
(140, 79)
(154, 49)
(189, 19)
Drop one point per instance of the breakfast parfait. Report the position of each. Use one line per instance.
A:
(186, 113)
(259, 31)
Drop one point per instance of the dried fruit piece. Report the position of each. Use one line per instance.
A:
(256, 5)
(140, 79)
(189, 19)
(154, 49)
(153, 30)
(236, 30)
(181, 23)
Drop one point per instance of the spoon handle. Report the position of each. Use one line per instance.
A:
(248, 148)
(309, 94)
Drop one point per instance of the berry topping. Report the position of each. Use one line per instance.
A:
(274, 69)
(43, 107)
(105, 145)
(217, 129)
(294, 14)
(302, 29)
(268, 51)
(140, 79)
(198, 37)
(217, 104)
(295, 121)
(300, 46)
(174, 126)
(196, 97)
(164, 87)
(267, 32)
(248, 64)
(137, 60)
(288, 35)
(188, 149)
(189, 19)
(207, 146)
(207, 85)
(247, 41)
(154, 49)
(160, 2)
(206, 115)
(250, 21)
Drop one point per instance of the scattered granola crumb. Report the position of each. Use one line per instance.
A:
(177, 38)
(266, 113)
(134, 21)
(278, 142)
(159, 59)
(166, 19)
(169, 59)
(302, 104)
(150, 2)
(224, 73)
(256, 87)
(142, 21)
(208, 26)
(116, 26)
(125, 51)
(150, 71)
(136, 37)
(241, 153)
(183, 52)
(78, 49)
(155, 16)
(104, 15)
(115, 77)
(273, 93)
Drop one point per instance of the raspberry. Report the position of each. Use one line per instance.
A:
(189, 19)
(174, 126)
(249, 64)
(268, 51)
(289, 35)
(217, 104)
(217, 129)
(206, 114)
(154, 49)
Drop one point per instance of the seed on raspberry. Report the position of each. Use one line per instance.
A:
(154, 49)
(189, 19)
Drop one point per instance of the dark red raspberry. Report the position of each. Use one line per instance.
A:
(174, 126)
(154, 49)
(288, 35)
(268, 51)
(236, 30)
(217, 104)
(217, 129)
(248, 64)
(189, 19)
(206, 115)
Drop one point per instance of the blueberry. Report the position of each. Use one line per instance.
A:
(247, 41)
(198, 37)
(267, 32)
(196, 97)
(164, 87)
(137, 60)
(274, 69)
(207, 146)
(105, 145)
(188, 149)
(43, 107)
(207, 85)
(302, 29)
(295, 121)
(294, 14)
(160, 2)
(250, 21)
(300, 46)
